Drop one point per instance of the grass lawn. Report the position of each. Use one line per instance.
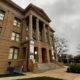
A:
(41, 78)
(11, 75)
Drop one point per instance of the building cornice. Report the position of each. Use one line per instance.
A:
(30, 7)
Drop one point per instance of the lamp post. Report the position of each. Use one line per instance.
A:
(35, 56)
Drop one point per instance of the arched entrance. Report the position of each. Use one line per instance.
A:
(44, 56)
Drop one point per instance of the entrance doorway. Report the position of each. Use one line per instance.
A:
(50, 55)
(24, 56)
(44, 56)
(25, 59)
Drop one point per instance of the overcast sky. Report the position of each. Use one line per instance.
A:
(65, 16)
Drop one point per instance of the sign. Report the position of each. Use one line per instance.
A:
(32, 58)
(31, 47)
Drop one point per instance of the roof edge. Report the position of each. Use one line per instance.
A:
(14, 5)
(32, 5)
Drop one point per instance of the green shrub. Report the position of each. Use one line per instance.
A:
(75, 68)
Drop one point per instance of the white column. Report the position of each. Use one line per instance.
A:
(31, 41)
(45, 39)
(30, 27)
(37, 29)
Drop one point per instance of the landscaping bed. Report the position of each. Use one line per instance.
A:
(11, 75)
(40, 78)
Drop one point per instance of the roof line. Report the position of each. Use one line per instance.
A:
(11, 3)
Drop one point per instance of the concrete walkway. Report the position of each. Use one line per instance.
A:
(58, 73)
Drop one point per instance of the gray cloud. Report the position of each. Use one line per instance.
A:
(65, 16)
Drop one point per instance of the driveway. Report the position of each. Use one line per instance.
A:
(58, 73)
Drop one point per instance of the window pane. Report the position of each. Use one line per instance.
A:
(26, 38)
(10, 53)
(17, 37)
(16, 51)
(19, 24)
(16, 54)
(10, 56)
(15, 22)
(1, 18)
(27, 29)
(13, 53)
(13, 36)
(1, 15)
(11, 50)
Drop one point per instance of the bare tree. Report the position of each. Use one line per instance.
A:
(61, 45)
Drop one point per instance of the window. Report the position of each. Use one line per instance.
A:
(13, 53)
(15, 36)
(17, 22)
(0, 29)
(26, 38)
(2, 13)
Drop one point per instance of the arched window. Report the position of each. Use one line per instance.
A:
(17, 22)
(13, 53)
(15, 36)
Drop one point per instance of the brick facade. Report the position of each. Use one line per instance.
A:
(34, 24)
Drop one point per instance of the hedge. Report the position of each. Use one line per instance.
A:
(75, 68)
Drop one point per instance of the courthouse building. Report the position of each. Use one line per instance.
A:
(25, 36)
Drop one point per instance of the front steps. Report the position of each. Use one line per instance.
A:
(47, 66)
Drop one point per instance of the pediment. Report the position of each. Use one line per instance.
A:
(38, 11)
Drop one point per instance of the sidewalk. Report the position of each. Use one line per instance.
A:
(58, 73)
(78, 78)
